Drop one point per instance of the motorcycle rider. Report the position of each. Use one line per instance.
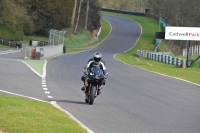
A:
(97, 61)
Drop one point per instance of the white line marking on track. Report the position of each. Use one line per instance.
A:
(23, 96)
(44, 69)
(47, 92)
(9, 52)
(71, 116)
(53, 102)
(45, 89)
(49, 96)
(5, 51)
(44, 85)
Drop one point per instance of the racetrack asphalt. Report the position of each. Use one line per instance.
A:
(133, 100)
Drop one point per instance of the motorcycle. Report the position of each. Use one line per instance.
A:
(94, 76)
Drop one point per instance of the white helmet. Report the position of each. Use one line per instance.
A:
(97, 57)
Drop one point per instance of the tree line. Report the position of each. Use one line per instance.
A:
(175, 12)
(38, 17)
(130, 5)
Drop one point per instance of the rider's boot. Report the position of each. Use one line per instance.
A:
(83, 88)
(99, 90)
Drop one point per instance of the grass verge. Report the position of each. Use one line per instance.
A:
(37, 65)
(3, 46)
(19, 115)
(79, 40)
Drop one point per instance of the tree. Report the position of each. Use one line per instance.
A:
(77, 19)
(130, 5)
(50, 14)
(12, 13)
(74, 13)
(94, 20)
(86, 14)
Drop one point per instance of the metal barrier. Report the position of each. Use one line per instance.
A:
(165, 57)
(38, 43)
(10, 43)
(123, 11)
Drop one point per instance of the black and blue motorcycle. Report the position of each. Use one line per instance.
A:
(95, 74)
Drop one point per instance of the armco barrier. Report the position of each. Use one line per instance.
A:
(123, 11)
(165, 57)
(10, 43)
(38, 43)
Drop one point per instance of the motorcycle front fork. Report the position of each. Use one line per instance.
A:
(87, 92)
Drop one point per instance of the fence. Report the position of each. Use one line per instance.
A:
(43, 50)
(195, 50)
(165, 57)
(10, 43)
(56, 37)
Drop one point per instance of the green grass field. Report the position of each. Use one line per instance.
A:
(20, 115)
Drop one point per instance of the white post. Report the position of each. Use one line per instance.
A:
(59, 34)
(184, 52)
(192, 53)
(196, 49)
(184, 63)
(25, 52)
(99, 32)
(199, 49)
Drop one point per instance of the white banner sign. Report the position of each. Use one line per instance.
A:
(182, 33)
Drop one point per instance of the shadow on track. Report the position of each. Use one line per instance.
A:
(69, 101)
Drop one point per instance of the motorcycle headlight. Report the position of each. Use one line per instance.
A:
(91, 73)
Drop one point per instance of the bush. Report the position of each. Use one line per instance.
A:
(9, 33)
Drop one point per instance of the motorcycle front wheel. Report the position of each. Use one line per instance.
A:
(92, 95)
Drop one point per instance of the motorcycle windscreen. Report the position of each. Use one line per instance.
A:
(96, 73)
